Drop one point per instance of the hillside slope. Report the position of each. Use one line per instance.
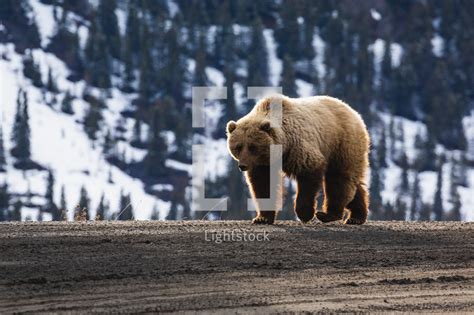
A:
(165, 267)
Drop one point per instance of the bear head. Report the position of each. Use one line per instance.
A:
(249, 140)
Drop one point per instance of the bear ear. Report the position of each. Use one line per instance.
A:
(266, 126)
(231, 125)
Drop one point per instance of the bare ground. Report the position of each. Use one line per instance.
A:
(171, 267)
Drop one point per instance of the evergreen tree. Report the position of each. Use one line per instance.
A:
(82, 209)
(40, 216)
(404, 185)
(257, 61)
(200, 77)
(237, 195)
(102, 209)
(21, 130)
(63, 204)
(147, 68)
(401, 210)
(66, 104)
(51, 85)
(15, 215)
(137, 134)
(288, 32)
(382, 150)
(98, 66)
(126, 208)
(416, 204)
(438, 199)
(455, 213)
(376, 188)
(3, 159)
(4, 202)
(455, 198)
(173, 72)
(386, 76)
(154, 162)
(31, 70)
(287, 81)
(288, 212)
(50, 205)
(93, 118)
(173, 212)
(109, 26)
(155, 215)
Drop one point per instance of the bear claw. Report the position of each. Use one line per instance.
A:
(261, 220)
(325, 217)
(355, 221)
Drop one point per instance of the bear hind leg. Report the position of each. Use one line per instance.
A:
(338, 192)
(359, 206)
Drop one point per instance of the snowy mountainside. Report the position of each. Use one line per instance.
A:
(59, 142)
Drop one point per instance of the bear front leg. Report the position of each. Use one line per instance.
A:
(258, 179)
(308, 188)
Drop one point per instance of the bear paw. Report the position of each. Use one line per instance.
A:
(355, 221)
(261, 220)
(325, 217)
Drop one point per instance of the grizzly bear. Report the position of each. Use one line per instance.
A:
(324, 143)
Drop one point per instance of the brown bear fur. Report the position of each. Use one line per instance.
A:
(325, 143)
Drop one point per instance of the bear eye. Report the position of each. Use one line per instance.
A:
(238, 148)
(252, 148)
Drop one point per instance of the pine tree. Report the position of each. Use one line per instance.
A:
(438, 200)
(401, 210)
(66, 104)
(63, 205)
(145, 87)
(82, 209)
(154, 162)
(288, 32)
(99, 66)
(382, 150)
(40, 216)
(404, 185)
(126, 209)
(287, 81)
(93, 119)
(173, 73)
(376, 188)
(102, 209)
(31, 70)
(15, 215)
(237, 195)
(386, 76)
(200, 77)
(173, 212)
(137, 134)
(3, 159)
(416, 204)
(155, 215)
(109, 26)
(4, 202)
(50, 205)
(288, 204)
(455, 198)
(455, 213)
(21, 130)
(257, 61)
(51, 85)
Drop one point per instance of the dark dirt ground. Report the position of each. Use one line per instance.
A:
(167, 267)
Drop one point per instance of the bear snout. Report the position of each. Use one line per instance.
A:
(242, 167)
